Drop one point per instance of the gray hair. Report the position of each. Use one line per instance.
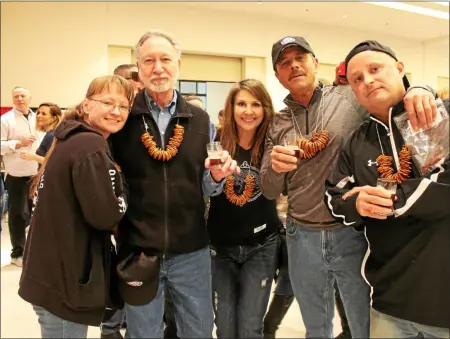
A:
(157, 33)
(20, 87)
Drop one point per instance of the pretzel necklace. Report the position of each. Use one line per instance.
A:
(318, 140)
(172, 146)
(240, 199)
(385, 169)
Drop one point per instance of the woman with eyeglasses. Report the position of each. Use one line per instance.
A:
(79, 197)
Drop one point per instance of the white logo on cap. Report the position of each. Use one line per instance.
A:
(287, 40)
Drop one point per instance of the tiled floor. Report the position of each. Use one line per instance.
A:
(18, 319)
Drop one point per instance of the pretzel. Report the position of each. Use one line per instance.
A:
(317, 143)
(385, 166)
(172, 146)
(240, 199)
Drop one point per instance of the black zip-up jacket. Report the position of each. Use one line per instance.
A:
(408, 261)
(80, 200)
(166, 206)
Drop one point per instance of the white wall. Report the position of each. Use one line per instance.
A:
(56, 49)
(436, 61)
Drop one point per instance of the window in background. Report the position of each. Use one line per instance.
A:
(189, 87)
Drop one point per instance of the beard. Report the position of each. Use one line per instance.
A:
(164, 86)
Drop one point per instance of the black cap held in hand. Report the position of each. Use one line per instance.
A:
(289, 41)
(372, 45)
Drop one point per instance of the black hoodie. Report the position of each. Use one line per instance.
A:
(80, 200)
(408, 262)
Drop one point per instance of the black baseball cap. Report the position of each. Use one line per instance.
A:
(372, 45)
(138, 276)
(289, 41)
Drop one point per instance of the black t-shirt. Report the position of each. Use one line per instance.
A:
(231, 225)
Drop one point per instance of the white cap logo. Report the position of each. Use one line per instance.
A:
(287, 40)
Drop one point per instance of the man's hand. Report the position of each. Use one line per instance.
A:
(421, 107)
(283, 159)
(374, 202)
(25, 142)
(229, 166)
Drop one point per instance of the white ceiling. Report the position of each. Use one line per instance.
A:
(356, 15)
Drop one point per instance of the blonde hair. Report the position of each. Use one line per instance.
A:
(444, 93)
(97, 86)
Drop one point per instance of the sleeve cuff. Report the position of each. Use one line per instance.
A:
(13, 144)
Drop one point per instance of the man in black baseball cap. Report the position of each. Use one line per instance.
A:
(372, 45)
(410, 296)
(322, 248)
(289, 41)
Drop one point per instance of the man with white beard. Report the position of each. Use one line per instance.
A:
(164, 244)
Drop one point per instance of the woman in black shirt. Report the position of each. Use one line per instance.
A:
(242, 223)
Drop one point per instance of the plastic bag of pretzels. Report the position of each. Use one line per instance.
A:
(428, 147)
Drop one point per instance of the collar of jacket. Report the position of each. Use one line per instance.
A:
(140, 106)
(288, 101)
(396, 110)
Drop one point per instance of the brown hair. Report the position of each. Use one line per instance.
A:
(97, 86)
(229, 136)
(55, 111)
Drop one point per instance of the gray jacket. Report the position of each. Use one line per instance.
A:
(341, 114)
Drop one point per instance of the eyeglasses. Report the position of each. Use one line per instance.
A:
(110, 106)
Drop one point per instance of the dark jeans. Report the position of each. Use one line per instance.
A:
(19, 211)
(242, 278)
(169, 318)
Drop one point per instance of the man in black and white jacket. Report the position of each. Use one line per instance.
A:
(408, 261)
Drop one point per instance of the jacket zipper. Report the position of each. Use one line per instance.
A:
(307, 121)
(166, 208)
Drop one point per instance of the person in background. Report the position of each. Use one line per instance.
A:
(79, 198)
(321, 249)
(130, 72)
(48, 116)
(197, 101)
(444, 93)
(242, 223)
(340, 78)
(18, 134)
(407, 232)
(219, 126)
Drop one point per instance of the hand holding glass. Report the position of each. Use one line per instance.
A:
(291, 142)
(390, 186)
(214, 150)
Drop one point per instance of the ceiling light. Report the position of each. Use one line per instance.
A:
(413, 9)
(344, 16)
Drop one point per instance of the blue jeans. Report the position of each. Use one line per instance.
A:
(55, 327)
(386, 326)
(113, 324)
(188, 280)
(316, 259)
(242, 279)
